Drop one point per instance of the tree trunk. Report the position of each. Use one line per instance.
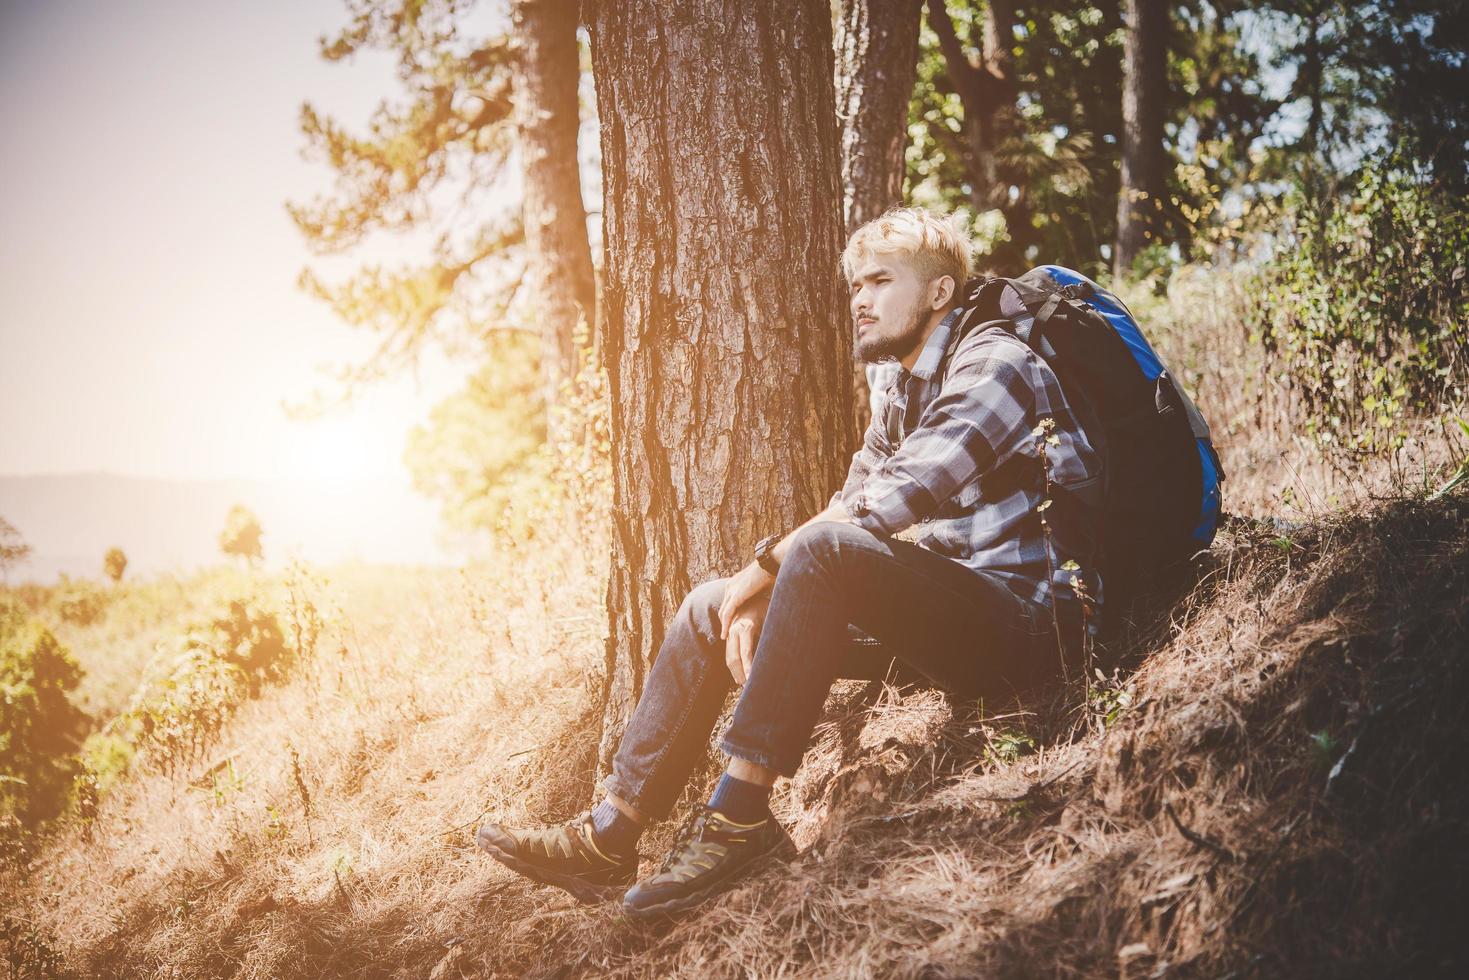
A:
(876, 60)
(987, 90)
(725, 343)
(559, 267)
(1310, 74)
(1140, 201)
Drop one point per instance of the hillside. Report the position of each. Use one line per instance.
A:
(1263, 779)
(1276, 791)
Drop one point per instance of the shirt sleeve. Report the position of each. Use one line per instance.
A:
(875, 449)
(980, 418)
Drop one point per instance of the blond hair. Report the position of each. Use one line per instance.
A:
(934, 243)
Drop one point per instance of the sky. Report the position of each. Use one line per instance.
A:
(150, 324)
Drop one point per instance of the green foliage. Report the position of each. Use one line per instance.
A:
(241, 535)
(1107, 697)
(1374, 73)
(1061, 165)
(1005, 746)
(79, 603)
(178, 713)
(1459, 476)
(432, 154)
(250, 640)
(482, 447)
(114, 564)
(28, 951)
(1324, 748)
(13, 549)
(1367, 307)
(106, 757)
(577, 460)
(1063, 161)
(40, 729)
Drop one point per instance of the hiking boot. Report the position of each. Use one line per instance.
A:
(568, 856)
(706, 860)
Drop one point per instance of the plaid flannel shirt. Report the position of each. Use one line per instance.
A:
(952, 462)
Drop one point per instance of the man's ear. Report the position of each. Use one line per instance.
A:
(940, 291)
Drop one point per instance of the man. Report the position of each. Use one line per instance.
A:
(961, 455)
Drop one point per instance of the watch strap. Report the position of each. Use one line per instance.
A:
(763, 557)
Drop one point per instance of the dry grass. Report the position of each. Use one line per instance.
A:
(1275, 792)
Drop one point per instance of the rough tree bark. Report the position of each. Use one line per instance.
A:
(724, 337)
(987, 90)
(1139, 202)
(876, 60)
(559, 266)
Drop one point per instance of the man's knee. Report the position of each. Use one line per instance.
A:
(701, 605)
(821, 542)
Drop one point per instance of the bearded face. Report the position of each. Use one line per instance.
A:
(890, 308)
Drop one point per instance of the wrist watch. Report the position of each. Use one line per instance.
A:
(763, 557)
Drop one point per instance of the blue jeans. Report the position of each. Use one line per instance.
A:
(961, 630)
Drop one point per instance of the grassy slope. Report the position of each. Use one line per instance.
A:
(1279, 794)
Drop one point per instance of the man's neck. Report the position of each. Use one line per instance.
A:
(934, 319)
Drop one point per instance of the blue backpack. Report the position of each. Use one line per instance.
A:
(1159, 495)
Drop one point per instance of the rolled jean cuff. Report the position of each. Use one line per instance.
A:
(650, 811)
(786, 767)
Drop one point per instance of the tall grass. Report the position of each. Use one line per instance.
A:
(325, 826)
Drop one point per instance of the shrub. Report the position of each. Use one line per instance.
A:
(40, 729)
(29, 952)
(1367, 306)
(179, 713)
(241, 535)
(114, 564)
(250, 640)
(80, 604)
(179, 716)
(106, 757)
(578, 460)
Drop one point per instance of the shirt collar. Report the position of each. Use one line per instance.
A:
(933, 351)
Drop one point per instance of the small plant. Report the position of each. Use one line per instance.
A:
(1323, 750)
(13, 549)
(16, 846)
(275, 822)
(303, 793)
(1460, 476)
(88, 799)
(1108, 698)
(249, 639)
(306, 622)
(28, 951)
(179, 713)
(40, 729)
(80, 604)
(114, 564)
(241, 535)
(179, 716)
(106, 756)
(221, 782)
(1005, 747)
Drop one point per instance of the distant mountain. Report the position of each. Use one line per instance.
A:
(174, 525)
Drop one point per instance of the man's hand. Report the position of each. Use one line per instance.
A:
(742, 635)
(749, 582)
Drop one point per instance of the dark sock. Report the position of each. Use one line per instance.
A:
(740, 801)
(616, 831)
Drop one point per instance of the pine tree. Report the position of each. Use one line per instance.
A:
(725, 339)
